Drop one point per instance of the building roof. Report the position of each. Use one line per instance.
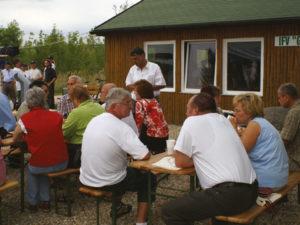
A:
(150, 14)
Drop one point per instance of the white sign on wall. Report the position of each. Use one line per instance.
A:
(288, 40)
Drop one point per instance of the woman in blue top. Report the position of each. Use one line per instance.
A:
(262, 142)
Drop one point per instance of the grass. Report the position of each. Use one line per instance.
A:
(86, 77)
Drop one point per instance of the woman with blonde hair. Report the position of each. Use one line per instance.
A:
(262, 142)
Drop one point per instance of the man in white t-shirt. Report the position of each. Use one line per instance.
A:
(34, 73)
(143, 69)
(208, 142)
(105, 145)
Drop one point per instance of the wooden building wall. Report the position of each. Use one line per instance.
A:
(281, 64)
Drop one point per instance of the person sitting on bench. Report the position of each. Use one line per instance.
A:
(262, 142)
(208, 141)
(106, 142)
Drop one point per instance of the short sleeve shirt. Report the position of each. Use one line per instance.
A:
(105, 145)
(151, 72)
(291, 131)
(216, 149)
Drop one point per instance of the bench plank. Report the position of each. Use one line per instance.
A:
(249, 215)
(8, 185)
(64, 172)
(94, 192)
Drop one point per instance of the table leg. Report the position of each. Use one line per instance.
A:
(22, 167)
(192, 183)
(149, 199)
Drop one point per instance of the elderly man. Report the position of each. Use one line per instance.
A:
(105, 145)
(142, 69)
(65, 105)
(73, 128)
(288, 97)
(129, 119)
(208, 141)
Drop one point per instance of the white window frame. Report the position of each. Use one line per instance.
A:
(183, 68)
(225, 60)
(173, 42)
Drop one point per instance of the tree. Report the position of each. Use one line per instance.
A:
(12, 35)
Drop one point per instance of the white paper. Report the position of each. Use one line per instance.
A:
(167, 163)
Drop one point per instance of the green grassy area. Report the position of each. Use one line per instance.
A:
(62, 78)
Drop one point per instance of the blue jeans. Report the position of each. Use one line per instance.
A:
(38, 183)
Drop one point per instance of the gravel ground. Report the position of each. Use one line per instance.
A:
(83, 208)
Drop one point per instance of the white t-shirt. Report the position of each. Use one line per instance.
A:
(35, 74)
(105, 144)
(151, 72)
(216, 149)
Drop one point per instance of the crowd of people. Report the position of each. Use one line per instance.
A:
(235, 159)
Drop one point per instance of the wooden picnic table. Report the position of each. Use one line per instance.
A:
(147, 165)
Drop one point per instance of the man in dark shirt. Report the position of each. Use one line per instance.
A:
(50, 77)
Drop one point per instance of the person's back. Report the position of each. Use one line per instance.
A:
(7, 119)
(113, 158)
(78, 119)
(218, 155)
(268, 157)
(44, 137)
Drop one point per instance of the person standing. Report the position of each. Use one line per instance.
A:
(21, 78)
(34, 73)
(208, 142)
(50, 78)
(8, 86)
(288, 97)
(143, 69)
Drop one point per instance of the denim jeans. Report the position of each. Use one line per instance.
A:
(38, 182)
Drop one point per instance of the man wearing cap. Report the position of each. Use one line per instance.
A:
(34, 73)
(143, 69)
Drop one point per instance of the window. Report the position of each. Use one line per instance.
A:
(198, 59)
(243, 66)
(163, 53)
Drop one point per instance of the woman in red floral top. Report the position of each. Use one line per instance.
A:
(149, 118)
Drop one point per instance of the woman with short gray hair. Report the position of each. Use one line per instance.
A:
(42, 131)
(35, 97)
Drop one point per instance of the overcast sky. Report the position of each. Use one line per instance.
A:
(68, 15)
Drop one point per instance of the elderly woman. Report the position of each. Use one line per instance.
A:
(149, 118)
(262, 142)
(42, 131)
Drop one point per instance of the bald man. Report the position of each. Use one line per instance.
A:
(129, 119)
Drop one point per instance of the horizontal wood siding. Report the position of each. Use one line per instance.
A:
(281, 64)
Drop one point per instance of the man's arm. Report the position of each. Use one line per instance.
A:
(182, 160)
(17, 134)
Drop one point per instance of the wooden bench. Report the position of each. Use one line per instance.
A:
(249, 215)
(9, 184)
(99, 195)
(63, 174)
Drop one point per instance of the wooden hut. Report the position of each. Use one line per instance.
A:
(238, 45)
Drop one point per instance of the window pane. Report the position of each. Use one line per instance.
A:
(199, 64)
(163, 55)
(243, 66)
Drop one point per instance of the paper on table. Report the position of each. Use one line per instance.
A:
(167, 162)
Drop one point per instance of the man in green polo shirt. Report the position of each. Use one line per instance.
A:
(78, 119)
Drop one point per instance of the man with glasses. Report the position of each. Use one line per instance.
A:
(105, 167)
(65, 105)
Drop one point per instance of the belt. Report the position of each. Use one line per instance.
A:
(236, 184)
